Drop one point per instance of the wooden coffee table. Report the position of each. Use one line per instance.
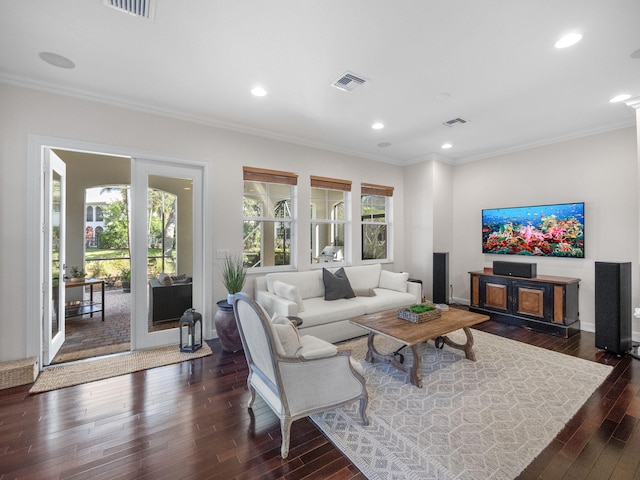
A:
(411, 334)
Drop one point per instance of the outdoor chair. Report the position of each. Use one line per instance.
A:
(295, 375)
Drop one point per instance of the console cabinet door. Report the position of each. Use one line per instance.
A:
(495, 293)
(533, 300)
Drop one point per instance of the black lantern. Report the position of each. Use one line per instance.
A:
(193, 321)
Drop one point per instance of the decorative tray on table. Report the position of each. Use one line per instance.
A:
(419, 313)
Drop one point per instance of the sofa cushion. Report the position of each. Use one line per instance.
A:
(313, 347)
(336, 285)
(309, 283)
(364, 276)
(317, 311)
(394, 281)
(290, 292)
(385, 299)
(365, 292)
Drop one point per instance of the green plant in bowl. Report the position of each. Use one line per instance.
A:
(421, 308)
(233, 275)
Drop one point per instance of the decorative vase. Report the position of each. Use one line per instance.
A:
(226, 327)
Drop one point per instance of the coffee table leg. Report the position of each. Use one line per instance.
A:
(467, 347)
(371, 350)
(415, 375)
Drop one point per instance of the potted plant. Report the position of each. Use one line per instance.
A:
(77, 274)
(125, 279)
(233, 275)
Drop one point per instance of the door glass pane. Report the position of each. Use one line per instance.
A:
(56, 280)
(169, 250)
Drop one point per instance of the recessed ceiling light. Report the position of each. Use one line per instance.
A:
(568, 40)
(445, 146)
(258, 92)
(620, 98)
(377, 126)
(56, 60)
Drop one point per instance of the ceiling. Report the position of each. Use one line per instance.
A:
(491, 62)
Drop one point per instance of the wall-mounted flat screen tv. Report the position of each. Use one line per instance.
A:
(542, 230)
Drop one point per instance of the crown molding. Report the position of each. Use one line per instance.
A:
(56, 89)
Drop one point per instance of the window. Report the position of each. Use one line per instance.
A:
(268, 217)
(99, 216)
(162, 230)
(328, 219)
(89, 214)
(376, 209)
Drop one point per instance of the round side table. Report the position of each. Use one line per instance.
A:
(226, 327)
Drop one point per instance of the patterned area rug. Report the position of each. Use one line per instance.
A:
(106, 367)
(472, 420)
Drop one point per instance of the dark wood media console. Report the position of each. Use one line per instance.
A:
(544, 303)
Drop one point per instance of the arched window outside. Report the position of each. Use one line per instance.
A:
(89, 213)
(99, 230)
(99, 216)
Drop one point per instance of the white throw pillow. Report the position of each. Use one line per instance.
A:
(290, 292)
(364, 276)
(165, 279)
(394, 281)
(286, 334)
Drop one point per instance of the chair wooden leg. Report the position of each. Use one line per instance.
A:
(285, 428)
(364, 401)
(252, 391)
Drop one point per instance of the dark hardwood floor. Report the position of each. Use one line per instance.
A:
(190, 421)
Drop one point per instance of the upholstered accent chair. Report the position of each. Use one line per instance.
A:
(295, 375)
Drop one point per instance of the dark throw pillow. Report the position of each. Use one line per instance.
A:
(336, 285)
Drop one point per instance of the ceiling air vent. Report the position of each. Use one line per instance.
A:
(348, 82)
(137, 8)
(454, 121)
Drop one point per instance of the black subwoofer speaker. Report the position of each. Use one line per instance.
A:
(515, 269)
(613, 306)
(441, 277)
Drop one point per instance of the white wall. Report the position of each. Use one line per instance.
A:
(436, 206)
(600, 170)
(28, 112)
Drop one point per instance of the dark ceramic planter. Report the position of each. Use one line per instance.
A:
(226, 327)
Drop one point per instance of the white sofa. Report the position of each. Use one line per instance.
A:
(302, 294)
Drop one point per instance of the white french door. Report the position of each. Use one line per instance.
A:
(178, 251)
(54, 255)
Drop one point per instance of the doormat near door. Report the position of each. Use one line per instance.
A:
(90, 370)
(486, 419)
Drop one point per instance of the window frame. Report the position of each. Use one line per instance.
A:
(337, 185)
(260, 175)
(386, 192)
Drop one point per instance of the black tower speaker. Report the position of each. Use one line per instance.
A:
(613, 306)
(441, 277)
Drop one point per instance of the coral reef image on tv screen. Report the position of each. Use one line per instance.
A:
(542, 230)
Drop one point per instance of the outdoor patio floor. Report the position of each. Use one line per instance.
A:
(87, 336)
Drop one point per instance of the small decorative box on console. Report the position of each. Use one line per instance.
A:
(515, 269)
